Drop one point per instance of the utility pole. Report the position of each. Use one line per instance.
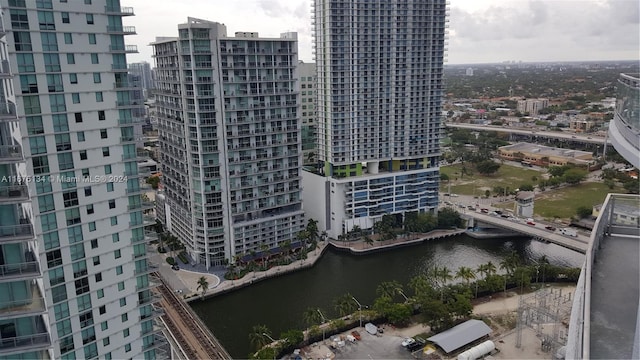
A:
(359, 309)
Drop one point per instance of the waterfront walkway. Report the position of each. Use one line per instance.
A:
(361, 247)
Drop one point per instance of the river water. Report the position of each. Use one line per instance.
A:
(280, 302)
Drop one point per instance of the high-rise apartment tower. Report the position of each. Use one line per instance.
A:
(75, 113)
(227, 109)
(379, 68)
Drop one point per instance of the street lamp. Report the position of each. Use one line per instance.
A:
(323, 322)
(270, 338)
(359, 309)
(403, 295)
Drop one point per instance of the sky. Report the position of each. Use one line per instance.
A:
(480, 31)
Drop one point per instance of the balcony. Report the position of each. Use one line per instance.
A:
(116, 10)
(119, 68)
(143, 206)
(124, 104)
(20, 271)
(10, 154)
(8, 112)
(147, 220)
(151, 236)
(14, 194)
(137, 156)
(151, 299)
(27, 343)
(129, 49)
(142, 188)
(5, 70)
(16, 233)
(122, 30)
(34, 305)
(150, 285)
(132, 121)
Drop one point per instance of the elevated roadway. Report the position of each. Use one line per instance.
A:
(579, 243)
(579, 138)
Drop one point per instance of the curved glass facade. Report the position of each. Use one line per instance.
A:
(624, 129)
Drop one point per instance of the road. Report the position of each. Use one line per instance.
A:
(462, 203)
(585, 138)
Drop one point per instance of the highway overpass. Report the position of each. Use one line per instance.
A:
(570, 137)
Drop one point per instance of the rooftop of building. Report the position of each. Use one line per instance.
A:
(545, 150)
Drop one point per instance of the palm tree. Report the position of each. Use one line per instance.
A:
(257, 336)
(368, 240)
(444, 274)
(355, 232)
(344, 305)
(312, 316)
(482, 269)
(465, 274)
(389, 289)
(203, 286)
(312, 229)
(491, 268)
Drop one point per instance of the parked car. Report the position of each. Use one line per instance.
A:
(531, 222)
(408, 341)
(417, 344)
(175, 267)
(484, 211)
(471, 207)
(550, 228)
(356, 335)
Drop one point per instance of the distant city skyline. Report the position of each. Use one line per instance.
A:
(481, 31)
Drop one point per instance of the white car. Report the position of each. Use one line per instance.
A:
(408, 341)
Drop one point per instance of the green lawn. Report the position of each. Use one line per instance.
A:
(476, 183)
(563, 203)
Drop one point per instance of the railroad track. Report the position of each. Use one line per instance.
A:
(191, 334)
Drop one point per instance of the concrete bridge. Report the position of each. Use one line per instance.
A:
(579, 243)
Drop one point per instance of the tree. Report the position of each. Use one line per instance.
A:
(344, 305)
(292, 337)
(389, 289)
(444, 177)
(448, 218)
(487, 167)
(526, 187)
(368, 240)
(583, 212)
(575, 176)
(203, 286)
(154, 181)
(257, 337)
(312, 229)
(312, 316)
(465, 274)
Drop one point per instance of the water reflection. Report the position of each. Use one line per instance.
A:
(279, 303)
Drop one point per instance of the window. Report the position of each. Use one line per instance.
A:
(68, 38)
(121, 286)
(31, 105)
(112, 204)
(46, 203)
(105, 151)
(102, 310)
(84, 303)
(40, 164)
(117, 254)
(127, 348)
(51, 240)
(75, 234)
(104, 325)
(80, 268)
(94, 58)
(123, 302)
(71, 59)
(59, 293)
(54, 83)
(68, 180)
(88, 335)
(119, 270)
(75, 97)
(49, 41)
(60, 123)
(92, 226)
(99, 97)
(114, 220)
(101, 115)
(115, 237)
(94, 243)
(90, 209)
(61, 310)
(28, 84)
(124, 317)
(63, 142)
(65, 17)
(73, 78)
(87, 191)
(90, 22)
(107, 169)
(109, 187)
(80, 135)
(46, 21)
(19, 18)
(78, 117)
(34, 125)
(54, 258)
(103, 134)
(83, 154)
(58, 105)
(22, 39)
(64, 328)
(44, 4)
(100, 294)
(26, 63)
(105, 341)
(92, 37)
(72, 216)
(65, 161)
(56, 276)
(125, 332)
(96, 78)
(85, 173)
(38, 145)
(70, 198)
(82, 286)
(87, 2)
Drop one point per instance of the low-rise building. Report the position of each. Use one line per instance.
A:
(524, 204)
(541, 155)
(581, 125)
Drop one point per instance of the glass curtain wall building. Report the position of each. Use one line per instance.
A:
(228, 118)
(379, 82)
(76, 115)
